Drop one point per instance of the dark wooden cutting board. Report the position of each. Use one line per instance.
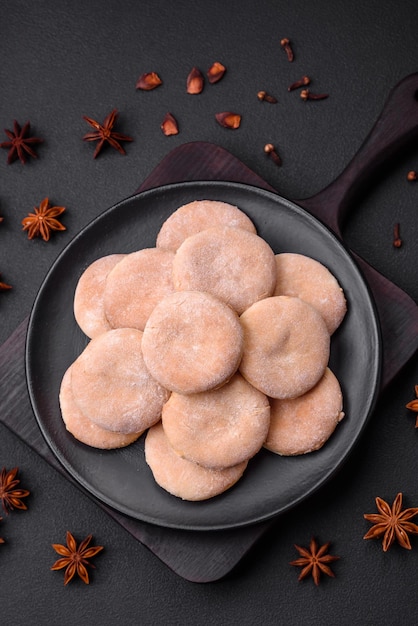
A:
(208, 556)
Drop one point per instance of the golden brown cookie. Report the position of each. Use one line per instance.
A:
(192, 342)
(286, 346)
(183, 478)
(136, 285)
(111, 385)
(195, 216)
(84, 429)
(236, 266)
(304, 424)
(88, 298)
(305, 278)
(218, 428)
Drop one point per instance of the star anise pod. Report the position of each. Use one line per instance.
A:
(314, 561)
(392, 523)
(75, 559)
(10, 496)
(103, 132)
(413, 405)
(19, 143)
(43, 221)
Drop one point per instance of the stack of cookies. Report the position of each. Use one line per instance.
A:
(212, 344)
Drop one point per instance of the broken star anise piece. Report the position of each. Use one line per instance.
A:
(19, 144)
(75, 559)
(314, 561)
(413, 405)
(227, 119)
(43, 221)
(4, 286)
(392, 523)
(169, 125)
(10, 497)
(104, 132)
(148, 81)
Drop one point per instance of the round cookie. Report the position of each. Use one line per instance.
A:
(88, 297)
(218, 428)
(111, 385)
(236, 266)
(195, 216)
(136, 285)
(304, 424)
(183, 478)
(286, 346)
(305, 278)
(84, 429)
(192, 342)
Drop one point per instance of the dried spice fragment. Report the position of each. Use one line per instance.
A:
(148, 81)
(10, 497)
(302, 82)
(4, 286)
(105, 133)
(271, 151)
(195, 81)
(215, 72)
(263, 96)
(227, 119)
(1, 538)
(306, 94)
(75, 559)
(314, 561)
(413, 405)
(392, 523)
(412, 176)
(285, 44)
(19, 144)
(43, 221)
(169, 125)
(397, 241)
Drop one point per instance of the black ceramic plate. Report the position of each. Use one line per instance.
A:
(121, 478)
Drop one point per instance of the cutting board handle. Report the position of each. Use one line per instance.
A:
(396, 126)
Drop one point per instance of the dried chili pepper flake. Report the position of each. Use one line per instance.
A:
(148, 81)
(75, 559)
(227, 119)
(43, 220)
(169, 125)
(215, 72)
(19, 144)
(195, 81)
(412, 176)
